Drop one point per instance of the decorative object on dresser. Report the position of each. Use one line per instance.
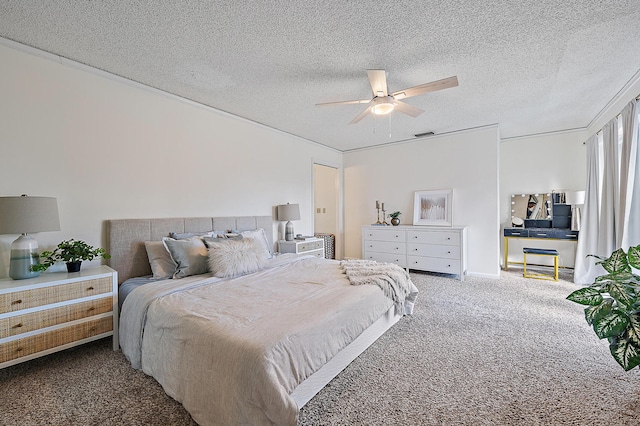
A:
(576, 200)
(432, 249)
(289, 212)
(395, 218)
(56, 311)
(380, 207)
(24, 215)
(310, 245)
(433, 207)
(72, 252)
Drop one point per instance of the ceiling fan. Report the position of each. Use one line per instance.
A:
(384, 102)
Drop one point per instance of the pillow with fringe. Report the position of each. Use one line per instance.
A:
(230, 258)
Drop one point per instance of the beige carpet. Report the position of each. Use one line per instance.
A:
(509, 351)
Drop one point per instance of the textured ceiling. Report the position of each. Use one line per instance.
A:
(529, 66)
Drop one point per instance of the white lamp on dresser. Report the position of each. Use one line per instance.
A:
(25, 215)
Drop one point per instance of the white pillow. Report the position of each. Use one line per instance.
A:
(261, 238)
(162, 266)
(229, 258)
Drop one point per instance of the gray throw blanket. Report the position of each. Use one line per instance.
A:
(392, 279)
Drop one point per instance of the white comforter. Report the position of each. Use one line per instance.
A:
(231, 351)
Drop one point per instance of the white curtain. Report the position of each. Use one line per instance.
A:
(585, 267)
(629, 178)
(611, 215)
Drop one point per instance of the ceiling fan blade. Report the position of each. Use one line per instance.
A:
(363, 101)
(445, 83)
(378, 81)
(360, 116)
(407, 109)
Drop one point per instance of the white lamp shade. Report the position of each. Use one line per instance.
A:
(23, 215)
(574, 198)
(289, 212)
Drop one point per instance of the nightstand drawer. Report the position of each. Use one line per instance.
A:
(41, 342)
(311, 245)
(16, 301)
(46, 318)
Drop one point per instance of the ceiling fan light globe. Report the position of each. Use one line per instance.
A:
(382, 108)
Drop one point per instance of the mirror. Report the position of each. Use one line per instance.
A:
(530, 206)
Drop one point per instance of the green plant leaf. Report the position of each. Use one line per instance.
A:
(617, 262)
(634, 256)
(594, 313)
(626, 353)
(623, 294)
(611, 325)
(586, 296)
(633, 330)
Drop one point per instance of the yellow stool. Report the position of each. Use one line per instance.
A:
(541, 252)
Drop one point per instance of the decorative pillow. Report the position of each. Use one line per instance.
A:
(220, 238)
(190, 256)
(229, 258)
(162, 266)
(185, 235)
(261, 239)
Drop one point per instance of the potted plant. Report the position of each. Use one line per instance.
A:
(72, 252)
(395, 220)
(613, 305)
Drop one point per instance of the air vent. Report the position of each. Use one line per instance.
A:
(419, 135)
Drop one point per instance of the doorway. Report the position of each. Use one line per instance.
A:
(326, 203)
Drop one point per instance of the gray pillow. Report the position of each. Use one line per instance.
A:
(162, 266)
(190, 256)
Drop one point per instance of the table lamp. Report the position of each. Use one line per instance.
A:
(24, 215)
(575, 199)
(289, 212)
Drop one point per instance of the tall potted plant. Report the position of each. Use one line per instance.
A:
(613, 305)
(72, 252)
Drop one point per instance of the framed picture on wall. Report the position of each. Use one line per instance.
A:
(433, 208)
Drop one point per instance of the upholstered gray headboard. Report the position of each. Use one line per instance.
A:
(126, 237)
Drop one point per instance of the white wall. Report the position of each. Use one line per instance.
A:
(108, 148)
(465, 161)
(541, 164)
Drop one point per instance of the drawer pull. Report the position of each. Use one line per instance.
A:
(449, 252)
(16, 302)
(515, 233)
(89, 288)
(91, 309)
(18, 325)
(415, 249)
(541, 235)
(448, 238)
(19, 349)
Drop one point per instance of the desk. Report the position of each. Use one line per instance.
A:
(546, 234)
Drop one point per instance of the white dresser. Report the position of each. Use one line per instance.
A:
(56, 311)
(423, 248)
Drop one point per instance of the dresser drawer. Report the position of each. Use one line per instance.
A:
(434, 237)
(384, 235)
(41, 342)
(16, 301)
(398, 259)
(385, 247)
(447, 266)
(36, 320)
(433, 250)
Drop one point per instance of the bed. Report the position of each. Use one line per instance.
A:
(250, 348)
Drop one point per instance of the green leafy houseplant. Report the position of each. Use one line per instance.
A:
(613, 305)
(394, 214)
(69, 251)
(395, 218)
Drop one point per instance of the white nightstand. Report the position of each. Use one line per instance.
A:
(314, 246)
(56, 311)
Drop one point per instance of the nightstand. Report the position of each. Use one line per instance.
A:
(56, 311)
(314, 246)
